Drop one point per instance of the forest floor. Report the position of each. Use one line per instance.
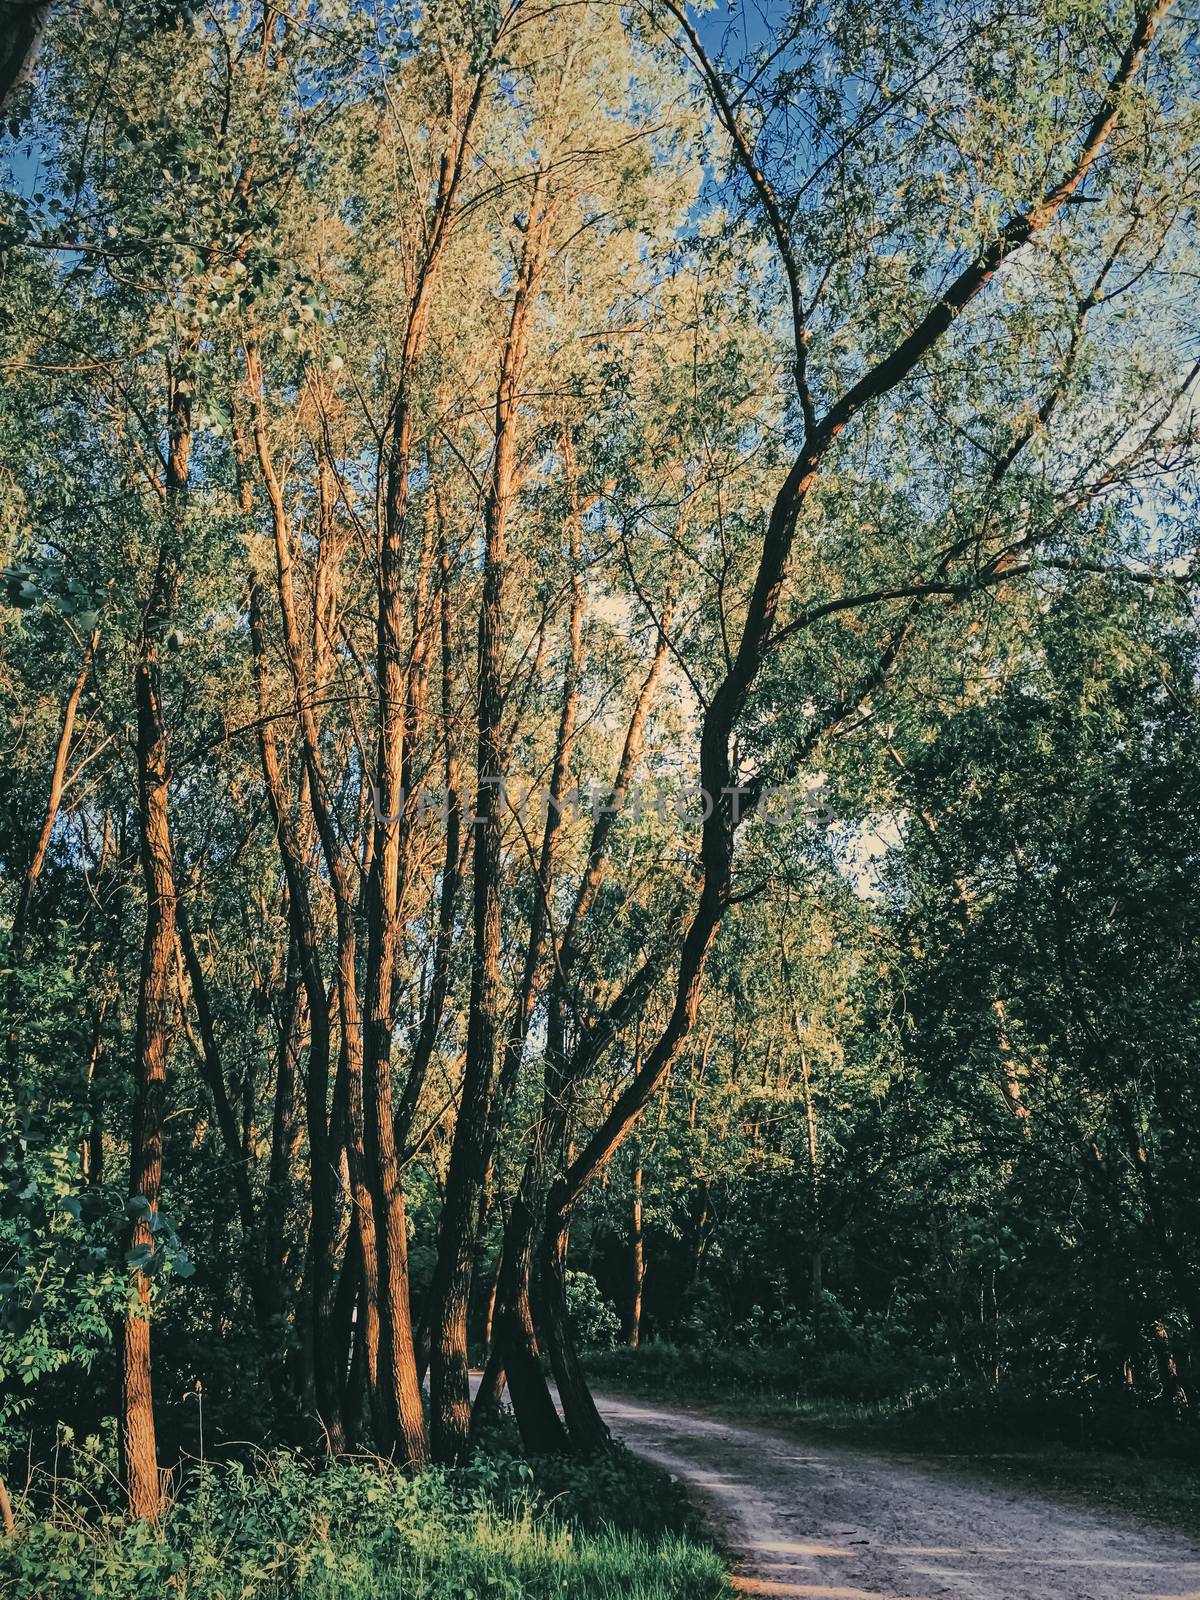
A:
(831, 1521)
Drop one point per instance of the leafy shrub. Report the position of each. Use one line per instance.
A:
(62, 1281)
(593, 1318)
(831, 1352)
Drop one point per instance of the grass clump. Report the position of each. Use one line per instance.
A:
(280, 1529)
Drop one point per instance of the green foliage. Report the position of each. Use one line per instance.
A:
(62, 1283)
(280, 1530)
(593, 1318)
(934, 1133)
(867, 1359)
(1002, 1077)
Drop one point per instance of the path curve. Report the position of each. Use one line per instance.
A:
(831, 1522)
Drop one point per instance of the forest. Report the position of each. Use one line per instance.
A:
(600, 707)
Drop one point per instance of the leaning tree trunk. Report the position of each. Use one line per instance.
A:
(516, 1354)
(759, 636)
(588, 1429)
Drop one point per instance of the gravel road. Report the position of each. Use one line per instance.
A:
(831, 1522)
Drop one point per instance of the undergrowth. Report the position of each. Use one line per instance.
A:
(276, 1528)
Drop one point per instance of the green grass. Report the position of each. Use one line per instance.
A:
(502, 1529)
(506, 1560)
(1155, 1475)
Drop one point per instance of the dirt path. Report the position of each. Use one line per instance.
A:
(829, 1522)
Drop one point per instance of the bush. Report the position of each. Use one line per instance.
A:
(832, 1353)
(63, 1281)
(593, 1318)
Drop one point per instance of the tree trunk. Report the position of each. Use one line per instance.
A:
(156, 998)
(816, 1272)
(588, 1430)
(400, 703)
(22, 23)
(449, 1389)
(92, 1153)
(321, 1344)
(638, 1260)
(58, 781)
(810, 1119)
(453, 864)
(536, 1413)
(214, 1077)
(542, 1431)
(329, 1377)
